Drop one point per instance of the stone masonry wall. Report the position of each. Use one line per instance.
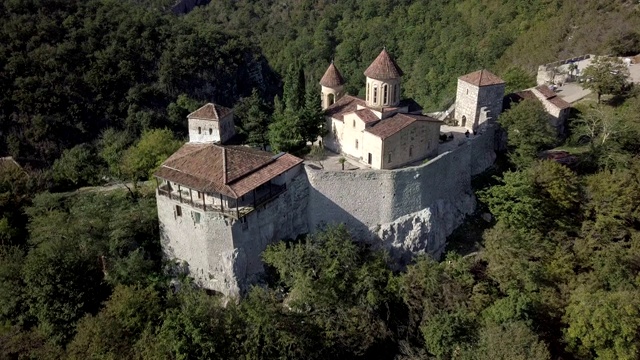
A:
(406, 211)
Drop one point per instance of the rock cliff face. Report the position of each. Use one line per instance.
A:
(425, 231)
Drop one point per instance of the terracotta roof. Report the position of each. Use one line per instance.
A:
(346, 104)
(332, 77)
(232, 171)
(383, 67)
(394, 124)
(210, 112)
(559, 102)
(545, 91)
(481, 78)
(367, 116)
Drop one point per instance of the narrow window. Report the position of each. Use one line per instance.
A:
(199, 195)
(196, 217)
(385, 95)
(389, 158)
(410, 150)
(199, 130)
(356, 144)
(354, 123)
(178, 210)
(375, 94)
(467, 91)
(210, 131)
(368, 90)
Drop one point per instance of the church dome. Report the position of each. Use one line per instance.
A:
(383, 67)
(332, 77)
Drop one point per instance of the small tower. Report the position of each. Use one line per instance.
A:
(478, 99)
(332, 85)
(383, 82)
(211, 123)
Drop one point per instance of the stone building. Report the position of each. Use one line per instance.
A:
(478, 99)
(381, 130)
(219, 205)
(556, 107)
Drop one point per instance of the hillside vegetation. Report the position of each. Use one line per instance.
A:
(102, 88)
(71, 69)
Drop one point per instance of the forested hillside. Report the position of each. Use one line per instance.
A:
(95, 90)
(71, 69)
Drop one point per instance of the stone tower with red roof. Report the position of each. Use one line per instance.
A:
(332, 86)
(478, 99)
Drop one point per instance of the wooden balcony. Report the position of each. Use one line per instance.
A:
(240, 208)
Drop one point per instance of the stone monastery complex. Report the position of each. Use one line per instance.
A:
(220, 205)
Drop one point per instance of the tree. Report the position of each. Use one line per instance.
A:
(114, 331)
(252, 115)
(341, 287)
(312, 117)
(528, 131)
(509, 341)
(78, 166)
(604, 323)
(284, 132)
(142, 159)
(606, 75)
(517, 79)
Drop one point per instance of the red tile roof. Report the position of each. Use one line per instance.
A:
(394, 124)
(210, 112)
(332, 77)
(383, 67)
(545, 91)
(367, 116)
(232, 171)
(346, 104)
(481, 78)
(559, 102)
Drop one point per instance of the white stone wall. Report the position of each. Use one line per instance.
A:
(393, 92)
(490, 103)
(351, 141)
(478, 104)
(329, 95)
(211, 130)
(466, 104)
(417, 141)
(224, 254)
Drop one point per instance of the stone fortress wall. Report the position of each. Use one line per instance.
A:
(407, 211)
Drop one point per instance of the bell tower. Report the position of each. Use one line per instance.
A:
(383, 82)
(332, 86)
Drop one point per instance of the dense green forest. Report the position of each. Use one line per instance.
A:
(97, 91)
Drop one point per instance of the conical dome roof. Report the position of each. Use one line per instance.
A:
(332, 77)
(383, 67)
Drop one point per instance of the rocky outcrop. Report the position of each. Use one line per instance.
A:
(425, 231)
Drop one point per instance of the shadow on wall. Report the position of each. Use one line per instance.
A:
(333, 214)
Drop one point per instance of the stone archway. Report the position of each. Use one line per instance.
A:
(332, 99)
(464, 121)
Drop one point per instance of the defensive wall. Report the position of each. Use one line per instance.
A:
(409, 210)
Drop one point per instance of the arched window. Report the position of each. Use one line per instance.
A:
(375, 94)
(354, 123)
(368, 89)
(210, 131)
(385, 94)
(356, 144)
(199, 130)
(332, 99)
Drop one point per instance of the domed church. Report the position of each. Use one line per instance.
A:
(382, 130)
